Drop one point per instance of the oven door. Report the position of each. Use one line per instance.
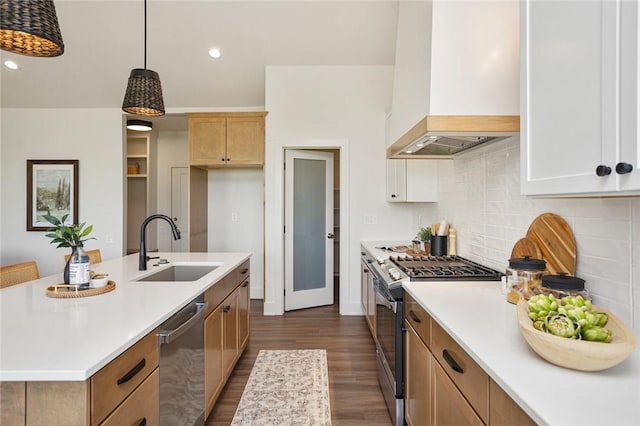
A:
(388, 335)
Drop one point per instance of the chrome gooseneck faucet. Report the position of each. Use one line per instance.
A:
(143, 258)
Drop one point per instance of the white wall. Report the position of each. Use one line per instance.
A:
(236, 218)
(341, 106)
(173, 151)
(92, 136)
(481, 197)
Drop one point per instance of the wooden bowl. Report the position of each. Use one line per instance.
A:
(579, 354)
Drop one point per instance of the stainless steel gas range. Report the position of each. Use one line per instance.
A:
(389, 274)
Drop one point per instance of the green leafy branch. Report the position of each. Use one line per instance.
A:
(67, 235)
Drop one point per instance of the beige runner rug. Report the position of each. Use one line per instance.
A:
(286, 388)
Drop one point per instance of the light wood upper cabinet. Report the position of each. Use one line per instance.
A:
(579, 92)
(227, 139)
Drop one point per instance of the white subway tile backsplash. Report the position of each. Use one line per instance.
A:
(480, 195)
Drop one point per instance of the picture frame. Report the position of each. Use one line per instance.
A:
(52, 185)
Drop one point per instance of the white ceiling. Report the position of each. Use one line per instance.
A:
(104, 40)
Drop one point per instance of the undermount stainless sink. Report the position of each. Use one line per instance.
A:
(180, 273)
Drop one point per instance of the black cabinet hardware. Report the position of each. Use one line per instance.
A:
(131, 373)
(452, 362)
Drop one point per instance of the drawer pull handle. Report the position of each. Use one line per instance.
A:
(452, 362)
(143, 422)
(135, 370)
(415, 317)
(244, 271)
(245, 284)
(226, 308)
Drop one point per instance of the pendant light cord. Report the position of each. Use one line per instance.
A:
(145, 34)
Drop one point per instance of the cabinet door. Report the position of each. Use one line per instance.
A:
(417, 381)
(243, 314)
(207, 140)
(213, 370)
(396, 180)
(569, 96)
(449, 406)
(230, 331)
(503, 410)
(422, 180)
(371, 304)
(364, 273)
(245, 141)
(630, 95)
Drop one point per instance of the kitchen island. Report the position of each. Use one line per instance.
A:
(477, 317)
(46, 340)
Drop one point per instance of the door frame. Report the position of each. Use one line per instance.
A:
(274, 225)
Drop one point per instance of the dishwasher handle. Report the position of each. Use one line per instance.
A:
(168, 336)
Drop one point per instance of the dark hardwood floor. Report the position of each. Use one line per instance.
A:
(356, 398)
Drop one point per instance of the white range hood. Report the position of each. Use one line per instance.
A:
(456, 81)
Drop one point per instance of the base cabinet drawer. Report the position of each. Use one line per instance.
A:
(467, 375)
(142, 407)
(114, 382)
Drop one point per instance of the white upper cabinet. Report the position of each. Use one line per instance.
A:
(412, 180)
(579, 123)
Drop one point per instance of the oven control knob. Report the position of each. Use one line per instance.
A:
(380, 260)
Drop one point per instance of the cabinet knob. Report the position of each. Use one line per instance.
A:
(393, 195)
(603, 170)
(223, 159)
(623, 168)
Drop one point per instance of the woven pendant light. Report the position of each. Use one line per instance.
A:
(30, 28)
(144, 91)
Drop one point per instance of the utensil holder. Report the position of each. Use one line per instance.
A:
(439, 245)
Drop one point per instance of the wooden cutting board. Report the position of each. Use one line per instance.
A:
(553, 235)
(526, 247)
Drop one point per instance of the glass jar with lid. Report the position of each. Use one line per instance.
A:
(562, 285)
(524, 277)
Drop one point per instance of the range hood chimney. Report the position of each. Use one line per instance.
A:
(456, 77)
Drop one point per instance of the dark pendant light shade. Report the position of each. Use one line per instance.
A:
(144, 92)
(139, 125)
(30, 27)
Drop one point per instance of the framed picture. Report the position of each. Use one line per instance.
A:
(52, 186)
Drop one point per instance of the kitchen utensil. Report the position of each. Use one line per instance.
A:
(525, 247)
(579, 354)
(556, 241)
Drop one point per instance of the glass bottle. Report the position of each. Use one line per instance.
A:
(79, 267)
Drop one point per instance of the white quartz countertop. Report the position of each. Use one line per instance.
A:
(477, 316)
(50, 339)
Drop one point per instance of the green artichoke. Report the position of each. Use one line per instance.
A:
(561, 325)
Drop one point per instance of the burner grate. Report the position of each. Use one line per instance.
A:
(443, 267)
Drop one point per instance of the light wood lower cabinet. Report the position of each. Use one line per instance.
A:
(418, 381)
(504, 411)
(226, 330)
(443, 385)
(449, 404)
(368, 297)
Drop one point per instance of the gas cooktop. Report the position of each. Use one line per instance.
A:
(421, 268)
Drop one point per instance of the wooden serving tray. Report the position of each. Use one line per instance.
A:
(65, 291)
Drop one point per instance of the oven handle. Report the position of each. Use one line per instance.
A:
(382, 298)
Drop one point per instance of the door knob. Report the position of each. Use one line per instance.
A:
(330, 236)
(603, 170)
(623, 168)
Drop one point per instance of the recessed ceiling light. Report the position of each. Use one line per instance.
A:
(10, 64)
(215, 53)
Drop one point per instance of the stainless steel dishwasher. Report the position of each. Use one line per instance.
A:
(182, 366)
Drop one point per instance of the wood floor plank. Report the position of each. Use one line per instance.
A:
(356, 398)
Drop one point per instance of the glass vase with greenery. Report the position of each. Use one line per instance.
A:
(67, 235)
